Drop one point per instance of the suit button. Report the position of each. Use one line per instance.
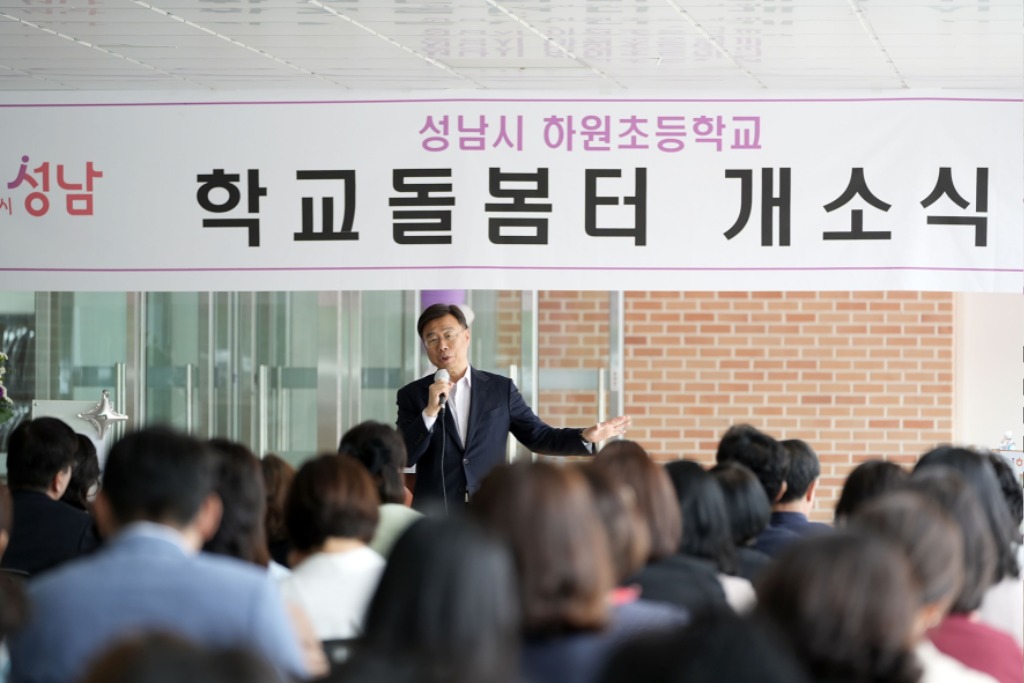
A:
(465, 461)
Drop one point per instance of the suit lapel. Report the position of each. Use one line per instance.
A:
(479, 403)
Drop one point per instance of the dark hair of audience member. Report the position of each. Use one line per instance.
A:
(37, 450)
(85, 474)
(13, 606)
(719, 646)
(332, 496)
(979, 473)
(446, 608)
(745, 501)
(804, 468)
(239, 483)
(765, 456)
(628, 537)
(1009, 484)
(867, 481)
(930, 540)
(546, 515)
(278, 474)
(628, 462)
(167, 658)
(706, 529)
(381, 449)
(158, 474)
(949, 489)
(846, 603)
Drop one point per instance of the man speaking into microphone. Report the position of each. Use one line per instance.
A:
(455, 423)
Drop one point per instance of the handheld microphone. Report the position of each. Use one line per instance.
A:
(442, 376)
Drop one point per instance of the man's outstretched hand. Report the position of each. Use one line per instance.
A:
(603, 431)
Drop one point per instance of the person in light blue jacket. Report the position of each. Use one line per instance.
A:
(157, 507)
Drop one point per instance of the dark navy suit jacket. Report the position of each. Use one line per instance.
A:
(496, 409)
(798, 523)
(46, 533)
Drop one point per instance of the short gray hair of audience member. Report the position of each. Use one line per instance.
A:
(804, 469)
(931, 540)
(239, 483)
(381, 449)
(717, 647)
(867, 481)
(706, 529)
(332, 496)
(546, 515)
(628, 462)
(628, 538)
(446, 608)
(981, 476)
(846, 603)
(765, 456)
(166, 658)
(950, 490)
(745, 501)
(1009, 484)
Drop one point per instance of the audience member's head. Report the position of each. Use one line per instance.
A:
(980, 475)
(931, 541)
(6, 517)
(546, 515)
(804, 470)
(950, 491)
(867, 481)
(718, 646)
(165, 658)
(846, 604)
(85, 474)
(745, 501)
(656, 501)
(381, 449)
(159, 475)
(12, 597)
(277, 481)
(239, 483)
(1009, 484)
(446, 607)
(765, 457)
(40, 456)
(332, 497)
(628, 537)
(706, 529)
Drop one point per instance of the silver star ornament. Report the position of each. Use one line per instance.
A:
(102, 415)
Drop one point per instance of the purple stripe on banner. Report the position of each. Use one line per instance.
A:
(244, 269)
(480, 100)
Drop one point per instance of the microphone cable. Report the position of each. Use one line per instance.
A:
(444, 438)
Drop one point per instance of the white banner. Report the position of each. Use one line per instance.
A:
(843, 191)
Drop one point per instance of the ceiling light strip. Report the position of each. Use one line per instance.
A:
(870, 30)
(232, 41)
(429, 60)
(551, 41)
(109, 53)
(715, 44)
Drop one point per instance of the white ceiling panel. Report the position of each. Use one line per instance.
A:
(611, 45)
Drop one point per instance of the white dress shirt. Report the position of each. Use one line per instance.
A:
(458, 403)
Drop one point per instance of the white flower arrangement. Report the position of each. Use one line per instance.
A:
(6, 404)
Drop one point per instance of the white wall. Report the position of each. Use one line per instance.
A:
(989, 354)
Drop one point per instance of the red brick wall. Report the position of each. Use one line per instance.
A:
(858, 375)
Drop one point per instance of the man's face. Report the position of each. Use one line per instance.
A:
(447, 344)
